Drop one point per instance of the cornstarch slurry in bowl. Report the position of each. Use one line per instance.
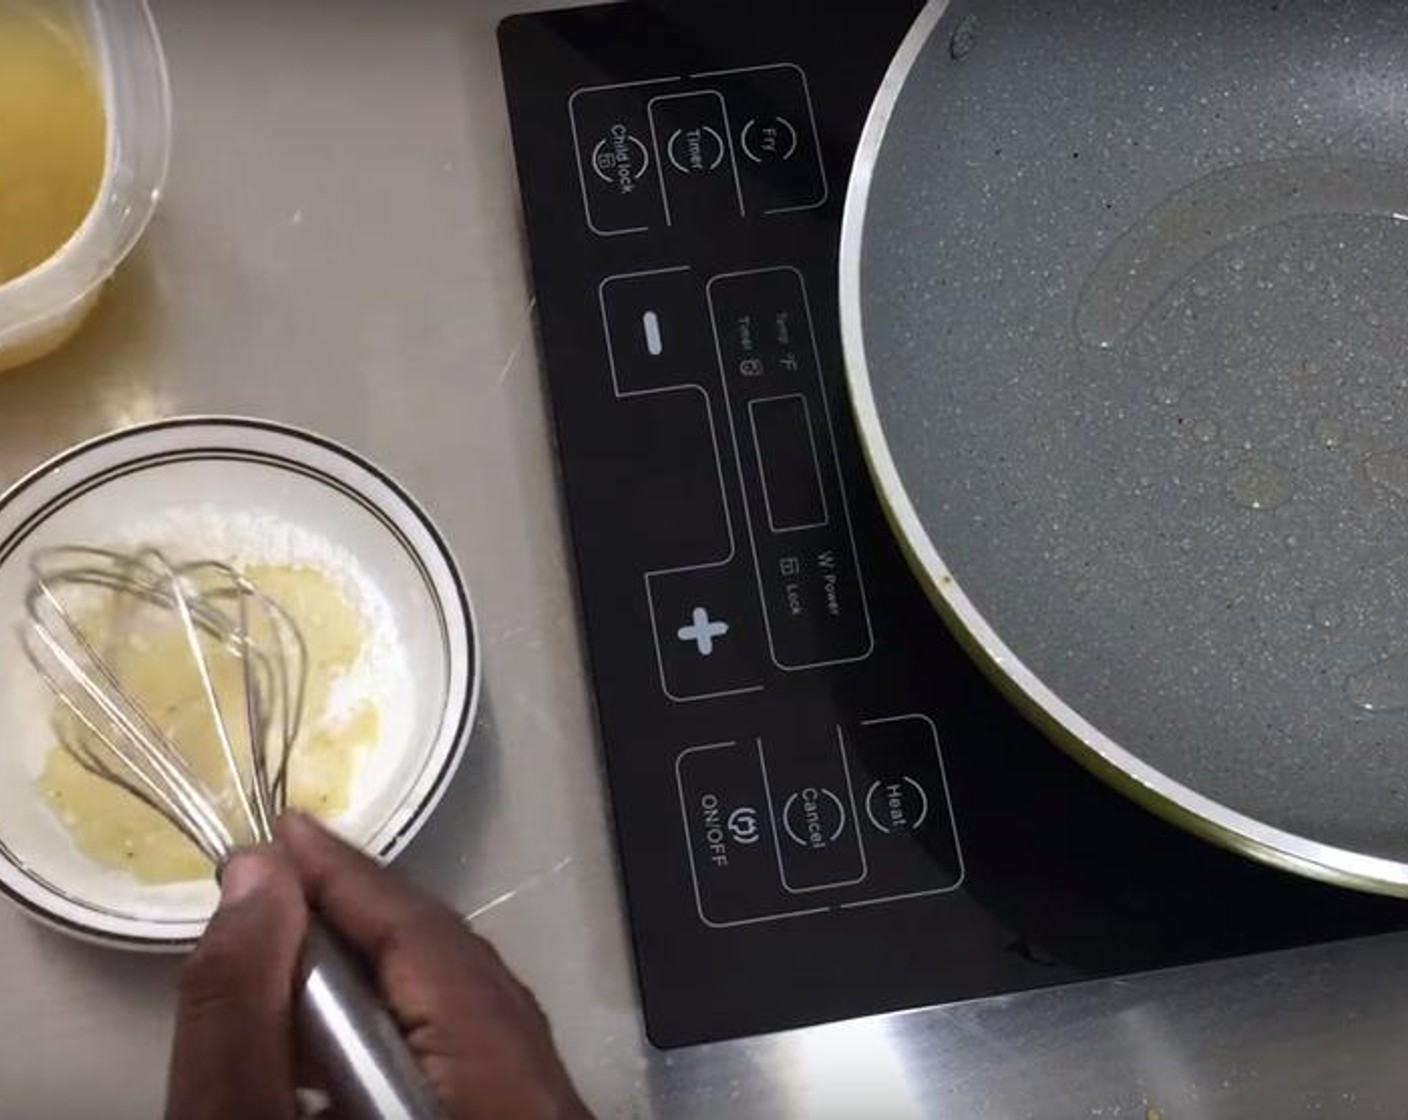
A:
(355, 676)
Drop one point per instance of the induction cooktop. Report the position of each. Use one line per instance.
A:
(822, 809)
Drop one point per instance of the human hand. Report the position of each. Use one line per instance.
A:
(233, 1055)
(477, 1032)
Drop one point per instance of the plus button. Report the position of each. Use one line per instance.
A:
(702, 631)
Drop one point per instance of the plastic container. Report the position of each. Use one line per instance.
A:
(40, 309)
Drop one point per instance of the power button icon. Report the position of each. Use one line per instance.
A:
(743, 825)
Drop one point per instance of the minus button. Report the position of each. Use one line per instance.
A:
(654, 343)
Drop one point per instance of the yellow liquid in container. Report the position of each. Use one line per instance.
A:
(53, 131)
(112, 827)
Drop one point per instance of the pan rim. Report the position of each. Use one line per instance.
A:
(1098, 752)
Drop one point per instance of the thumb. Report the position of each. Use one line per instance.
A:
(233, 1052)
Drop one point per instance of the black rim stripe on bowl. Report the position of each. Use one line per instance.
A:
(217, 454)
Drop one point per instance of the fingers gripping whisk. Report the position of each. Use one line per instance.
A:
(211, 756)
(89, 610)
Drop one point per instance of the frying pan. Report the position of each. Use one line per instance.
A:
(1124, 290)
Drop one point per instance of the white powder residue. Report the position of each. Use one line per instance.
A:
(247, 539)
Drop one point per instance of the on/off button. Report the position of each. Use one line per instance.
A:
(729, 831)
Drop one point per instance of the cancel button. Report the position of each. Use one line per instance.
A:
(814, 818)
(818, 838)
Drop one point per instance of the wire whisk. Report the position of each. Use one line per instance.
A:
(87, 611)
(86, 608)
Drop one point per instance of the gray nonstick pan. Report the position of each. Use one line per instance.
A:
(1124, 290)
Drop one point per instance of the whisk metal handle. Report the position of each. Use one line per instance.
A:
(371, 1072)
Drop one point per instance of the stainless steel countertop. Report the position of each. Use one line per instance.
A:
(340, 248)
